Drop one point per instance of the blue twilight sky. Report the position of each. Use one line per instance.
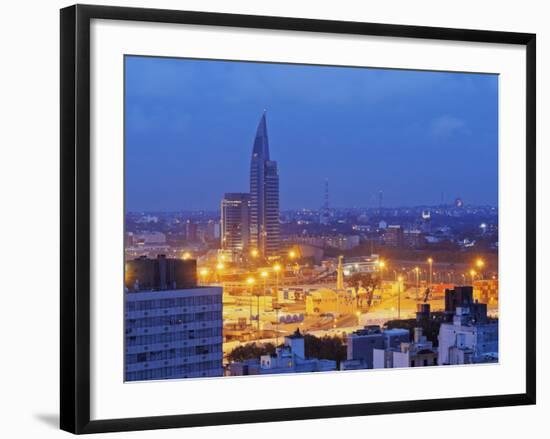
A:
(190, 126)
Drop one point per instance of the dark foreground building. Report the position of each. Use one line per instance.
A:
(173, 328)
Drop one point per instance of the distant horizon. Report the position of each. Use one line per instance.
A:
(432, 206)
(190, 124)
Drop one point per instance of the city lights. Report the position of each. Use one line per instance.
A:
(335, 281)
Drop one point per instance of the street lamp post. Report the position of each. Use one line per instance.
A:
(381, 266)
(399, 280)
(417, 272)
(430, 263)
(480, 264)
(277, 269)
(264, 275)
(219, 268)
(277, 308)
(203, 273)
(250, 282)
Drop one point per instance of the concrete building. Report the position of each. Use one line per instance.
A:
(235, 222)
(327, 300)
(467, 336)
(362, 264)
(145, 274)
(466, 340)
(413, 238)
(393, 236)
(417, 353)
(264, 196)
(171, 332)
(191, 231)
(340, 242)
(290, 358)
(343, 242)
(148, 238)
(362, 344)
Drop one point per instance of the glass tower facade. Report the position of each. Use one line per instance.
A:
(264, 196)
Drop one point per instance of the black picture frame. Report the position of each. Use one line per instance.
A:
(75, 217)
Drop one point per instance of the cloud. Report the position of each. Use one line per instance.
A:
(446, 126)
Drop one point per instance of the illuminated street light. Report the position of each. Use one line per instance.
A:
(381, 266)
(480, 264)
(203, 273)
(250, 281)
(430, 263)
(254, 253)
(473, 275)
(186, 256)
(292, 254)
(220, 266)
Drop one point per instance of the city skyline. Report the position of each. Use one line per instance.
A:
(212, 160)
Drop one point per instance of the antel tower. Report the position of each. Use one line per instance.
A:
(264, 196)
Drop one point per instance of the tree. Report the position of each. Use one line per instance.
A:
(325, 348)
(250, 351)
(366, 281)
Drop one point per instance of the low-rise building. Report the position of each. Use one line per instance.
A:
(362, 344)
(419, 352)
(289, 358)
(468, 338)
(327, 300)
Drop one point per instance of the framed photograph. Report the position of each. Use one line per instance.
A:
(268, 218)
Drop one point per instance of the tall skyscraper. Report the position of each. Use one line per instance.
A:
(264, 196)
(235, 228)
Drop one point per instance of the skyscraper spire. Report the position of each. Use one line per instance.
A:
(264, 195)
(261, 143)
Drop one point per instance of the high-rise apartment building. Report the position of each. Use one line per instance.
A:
(173, 329)
(235, 216)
